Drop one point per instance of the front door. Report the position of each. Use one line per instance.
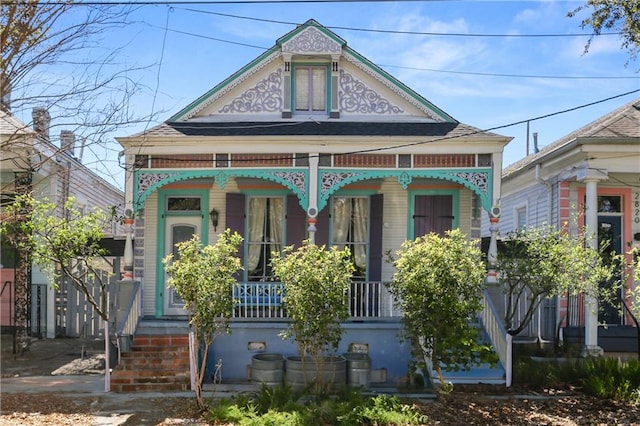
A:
(178, 229)
(610, 239)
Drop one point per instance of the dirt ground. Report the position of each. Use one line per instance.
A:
(469, 405)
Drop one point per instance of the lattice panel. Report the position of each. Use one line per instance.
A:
(365, 160)
(444, 160)
(182, 161)
(261, 160)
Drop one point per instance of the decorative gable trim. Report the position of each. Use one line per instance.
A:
(226, 86)
(397, 87)
(311, 41)
(266, 96)
(355, 96)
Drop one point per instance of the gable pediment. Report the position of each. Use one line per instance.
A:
(278, 85)
(311, 41)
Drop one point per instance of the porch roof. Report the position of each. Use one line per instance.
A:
(326, 128)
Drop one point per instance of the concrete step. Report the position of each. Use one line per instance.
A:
(163, 327)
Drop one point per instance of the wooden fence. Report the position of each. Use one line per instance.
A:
(74, 315)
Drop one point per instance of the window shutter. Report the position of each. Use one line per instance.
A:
(235, 222)
(296, 222)
(322, 225)
(375, 238)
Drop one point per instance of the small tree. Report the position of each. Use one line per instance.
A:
(631, 296)
(540, 263)
(438, 284)
(63, 243)
(203, 276)
(316, 281)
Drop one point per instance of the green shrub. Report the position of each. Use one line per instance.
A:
(602, 377)
(282, 406)
(613, 379)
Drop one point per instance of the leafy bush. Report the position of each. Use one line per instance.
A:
(602, 377)
(283, 406)
(613, 379)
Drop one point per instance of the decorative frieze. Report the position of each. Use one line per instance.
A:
(444, 160)
(479, 180)
(181, 161)
(330, 180)
(384, 80)
(356, 97)
(266, 96)
(261, 160)
(365, 160)
(146, 180)
(223, 89)
(311, 41)
(297, 179)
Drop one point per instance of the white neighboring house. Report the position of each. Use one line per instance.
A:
(596, 170)
(55, 173)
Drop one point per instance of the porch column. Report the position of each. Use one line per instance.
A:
(312, 208)
(591, 347)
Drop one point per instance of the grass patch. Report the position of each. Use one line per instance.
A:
(283, 406)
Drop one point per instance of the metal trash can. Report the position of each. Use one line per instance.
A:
(267, 368)
(358, 369)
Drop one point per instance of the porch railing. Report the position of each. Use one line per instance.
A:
(263, 301)
(500, 339)
(127, 314)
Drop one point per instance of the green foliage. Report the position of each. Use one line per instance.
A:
(61, 241)
(622, 16)
(347, 408)
(316, 281)
(203, 276)
(612, 379)
(598, 376)
(539, 263)
(438, 284)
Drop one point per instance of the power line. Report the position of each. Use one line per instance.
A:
(474, 73)
(423, 33)
(409, 144)
(487, 74)
(175, 4)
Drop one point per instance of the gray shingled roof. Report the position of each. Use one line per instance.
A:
(621, 123)
(325, 128)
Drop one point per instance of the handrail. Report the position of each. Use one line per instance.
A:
(500, 339)
(127, 316)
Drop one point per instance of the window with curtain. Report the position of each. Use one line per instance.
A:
(350, 217)
(264, 236)
(310, 89)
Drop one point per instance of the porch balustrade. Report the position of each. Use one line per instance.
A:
(263, 301)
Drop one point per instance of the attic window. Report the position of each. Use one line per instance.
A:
(310, 89)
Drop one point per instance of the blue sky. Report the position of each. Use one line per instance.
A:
(472, 78)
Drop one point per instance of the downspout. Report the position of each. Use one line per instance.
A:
(548, 221)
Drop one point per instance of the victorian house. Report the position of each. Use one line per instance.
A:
(310, 140)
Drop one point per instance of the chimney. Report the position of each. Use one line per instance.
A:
(68, 142)
(535, 143)
(41, 121)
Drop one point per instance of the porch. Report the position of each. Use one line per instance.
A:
(368, 301)
(374, 326)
